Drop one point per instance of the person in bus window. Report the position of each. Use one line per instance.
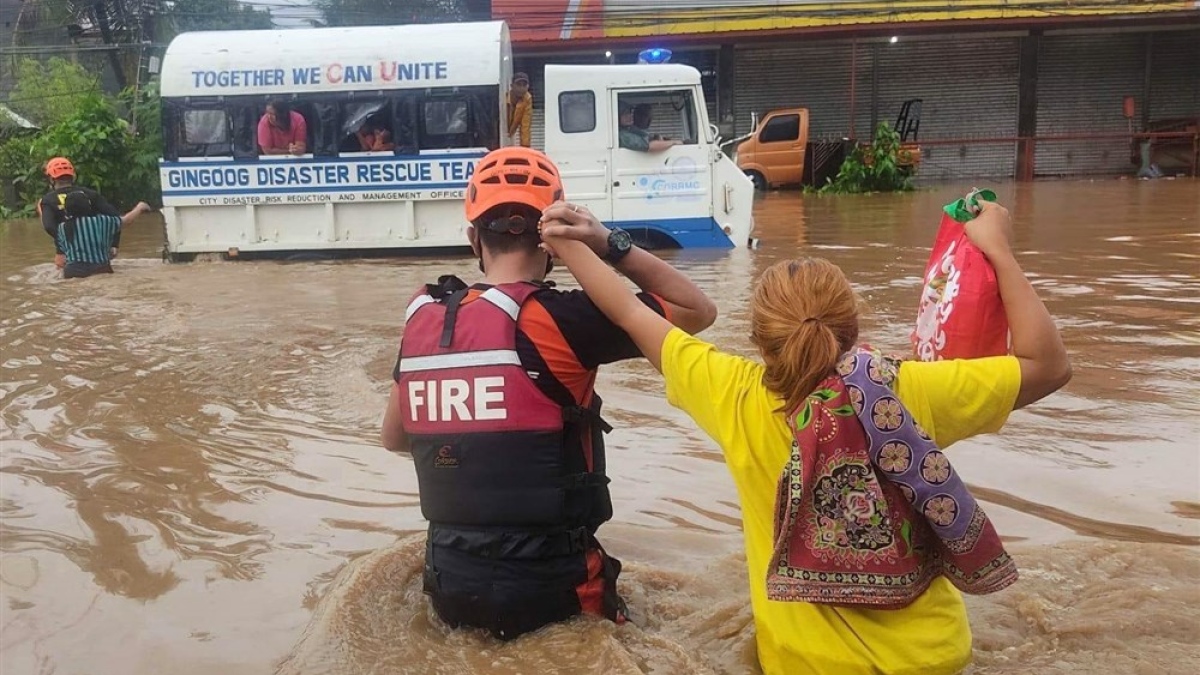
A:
(374, 137)
(520, 111)
(282, 131)
(632, 137)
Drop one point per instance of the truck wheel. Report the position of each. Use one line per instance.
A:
(760, 183)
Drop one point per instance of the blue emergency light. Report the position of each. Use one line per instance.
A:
(656, 55)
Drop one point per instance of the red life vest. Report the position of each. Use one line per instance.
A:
(493, 453)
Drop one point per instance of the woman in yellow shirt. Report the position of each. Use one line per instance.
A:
(804, 318)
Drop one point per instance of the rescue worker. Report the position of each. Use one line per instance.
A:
(51, 207)
(494, 400)
(520, 111)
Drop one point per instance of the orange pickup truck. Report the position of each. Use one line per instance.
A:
(774, 153)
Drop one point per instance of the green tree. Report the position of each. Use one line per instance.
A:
(48, 91)
(192, 15)
(145, 141)
(390, 12)
(106, 151)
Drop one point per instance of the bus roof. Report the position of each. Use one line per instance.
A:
(321, 60)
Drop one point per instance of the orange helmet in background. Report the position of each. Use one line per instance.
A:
(513, 175)
(59, 167)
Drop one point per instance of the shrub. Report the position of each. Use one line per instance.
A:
(873, 168)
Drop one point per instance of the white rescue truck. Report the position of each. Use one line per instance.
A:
(436, 95)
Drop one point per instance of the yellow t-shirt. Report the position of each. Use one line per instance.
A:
(952, 400)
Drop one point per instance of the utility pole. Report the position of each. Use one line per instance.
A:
(114, 59)
(478, 10)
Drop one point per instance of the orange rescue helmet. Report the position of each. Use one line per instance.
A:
(58, 167)
(513, 175)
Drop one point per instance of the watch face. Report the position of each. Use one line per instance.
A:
(621, 240)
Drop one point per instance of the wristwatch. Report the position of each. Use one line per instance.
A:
(619, 245)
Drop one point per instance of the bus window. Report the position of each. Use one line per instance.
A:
(367, 127)
(405, 108)
(445, 117)
(203, 133)
(485, 116)
(244, 118)
(445, 124)
(324, 132)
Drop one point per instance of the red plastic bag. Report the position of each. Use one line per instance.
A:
(960, 315)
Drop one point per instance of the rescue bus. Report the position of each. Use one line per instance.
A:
(436, 94)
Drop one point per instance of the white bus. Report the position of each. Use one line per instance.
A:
(436, 94)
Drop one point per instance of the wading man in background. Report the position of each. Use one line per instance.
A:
(52, 207)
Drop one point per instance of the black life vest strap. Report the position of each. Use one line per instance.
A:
(452, 305)
(590, 479)
(509, 544)
(574, 414)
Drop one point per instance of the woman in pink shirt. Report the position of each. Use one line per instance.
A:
(282, 131)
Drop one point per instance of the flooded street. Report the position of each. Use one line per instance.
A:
(191, 481)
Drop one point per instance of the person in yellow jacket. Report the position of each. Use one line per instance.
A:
(803, 316)
(520, 110)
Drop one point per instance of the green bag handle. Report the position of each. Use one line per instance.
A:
(967, 208)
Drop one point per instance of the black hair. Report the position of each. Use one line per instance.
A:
(283, 113)
(642, 114)
(75, 205)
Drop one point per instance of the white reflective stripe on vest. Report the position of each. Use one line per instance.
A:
(490, 357)
(417, 303)
(499, 299)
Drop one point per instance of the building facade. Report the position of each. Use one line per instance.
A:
(1012, 88)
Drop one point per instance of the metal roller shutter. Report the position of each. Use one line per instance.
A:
(968, 90)
(705, 61)
(1175, 75)
(537, 137)
(814, 75)
(1082, 81)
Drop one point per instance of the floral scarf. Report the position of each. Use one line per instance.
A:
(869, 511)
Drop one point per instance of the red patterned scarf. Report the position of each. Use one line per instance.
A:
(869, 511)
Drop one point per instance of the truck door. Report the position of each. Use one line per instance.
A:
(781, 147)
(577, 138)
(660, 188)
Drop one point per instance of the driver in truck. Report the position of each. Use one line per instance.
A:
(632, 136)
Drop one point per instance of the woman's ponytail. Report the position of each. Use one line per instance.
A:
(804, 316)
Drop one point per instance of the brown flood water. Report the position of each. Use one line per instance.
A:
(190, 480)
